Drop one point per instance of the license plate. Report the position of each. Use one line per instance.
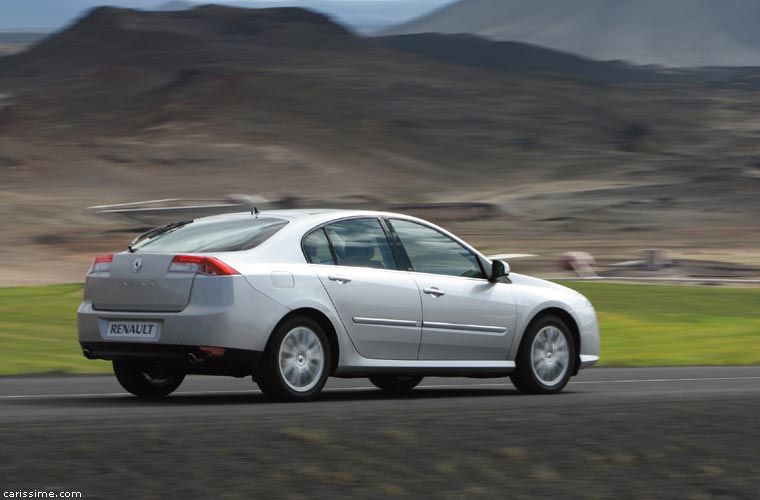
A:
(147, 330)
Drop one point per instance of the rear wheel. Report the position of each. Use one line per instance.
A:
(296, 364)
(546, 357)
(395, 384)
(147, 381)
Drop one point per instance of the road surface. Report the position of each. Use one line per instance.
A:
(626, 433)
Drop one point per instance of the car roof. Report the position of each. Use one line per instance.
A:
(298, 213)
(306, 215)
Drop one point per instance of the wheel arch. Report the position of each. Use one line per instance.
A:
(323, 321)
(571, 323)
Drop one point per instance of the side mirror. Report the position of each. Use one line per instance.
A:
(499, 269)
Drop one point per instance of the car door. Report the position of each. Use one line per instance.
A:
(378, 304)
(464, 316)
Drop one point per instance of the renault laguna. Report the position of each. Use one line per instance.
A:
(292, 297)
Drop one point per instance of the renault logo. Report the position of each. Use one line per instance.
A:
(137, 264)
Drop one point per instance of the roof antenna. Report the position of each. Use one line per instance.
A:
(255, 211)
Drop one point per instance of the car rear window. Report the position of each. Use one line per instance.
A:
(213, 236)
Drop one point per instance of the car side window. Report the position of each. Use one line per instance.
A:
(361, 243)
(435, 253)
(317, 248)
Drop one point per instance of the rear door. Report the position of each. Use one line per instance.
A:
(378, 304)
(464, 316)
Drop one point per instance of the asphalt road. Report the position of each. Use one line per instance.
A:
(628, 433)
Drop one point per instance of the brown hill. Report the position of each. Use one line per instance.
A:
(212, 34)
(524, 58)
(515, 57)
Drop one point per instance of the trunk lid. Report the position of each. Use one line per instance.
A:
(141, 282)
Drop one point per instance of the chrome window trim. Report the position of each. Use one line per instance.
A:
(479, 280)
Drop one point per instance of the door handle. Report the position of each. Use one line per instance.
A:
(340, 279)
(434, 291)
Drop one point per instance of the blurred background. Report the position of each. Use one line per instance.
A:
(580, 138)
(528, 127)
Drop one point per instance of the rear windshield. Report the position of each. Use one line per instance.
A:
(217, 236)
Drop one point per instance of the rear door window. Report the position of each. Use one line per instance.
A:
(361, 243)
(317, 248)
(225, 235)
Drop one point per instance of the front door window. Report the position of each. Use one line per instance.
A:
(435, 253)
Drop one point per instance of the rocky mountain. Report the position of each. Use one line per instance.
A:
(127, 68)
(210, 35)
(361, 15)
(276, 70)
(222, 36)
(672, 32)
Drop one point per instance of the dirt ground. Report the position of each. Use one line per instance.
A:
(50, 236)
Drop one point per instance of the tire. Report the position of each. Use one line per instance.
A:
(546, 358)
(145, 381)
(395, 384)
(297, 361)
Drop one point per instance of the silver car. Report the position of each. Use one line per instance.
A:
(292, 297)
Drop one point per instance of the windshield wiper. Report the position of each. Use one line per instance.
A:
(157, 231)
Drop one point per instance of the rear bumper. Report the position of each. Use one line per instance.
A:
(226, 313)
(234, 362)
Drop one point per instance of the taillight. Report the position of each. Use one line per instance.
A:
(200, 265)
(101, 265)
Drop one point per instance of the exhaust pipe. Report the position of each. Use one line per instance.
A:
(192, 359)
(87, 353)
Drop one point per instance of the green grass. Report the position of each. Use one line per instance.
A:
(653, 325)
(641, 325)
(38, 331)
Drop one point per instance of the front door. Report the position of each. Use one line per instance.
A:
(464, 316)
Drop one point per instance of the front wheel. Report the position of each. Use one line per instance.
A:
(296, 363)
(546, 357)
(146, 381)
(395, 384)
